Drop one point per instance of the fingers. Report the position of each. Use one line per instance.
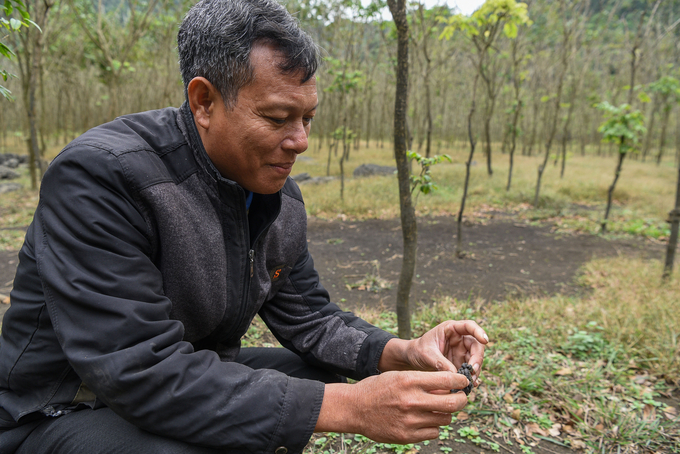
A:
(412, 405)
(436, 387)
(476, 351)
(473, 340)
(445, 380)
(468, 328)
(447, 346)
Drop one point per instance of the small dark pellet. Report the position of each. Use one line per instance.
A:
(466, 370)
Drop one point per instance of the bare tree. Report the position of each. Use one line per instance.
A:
(30, 65)
(674, 219)
(409, 228)
(113, 38)
(567, 34)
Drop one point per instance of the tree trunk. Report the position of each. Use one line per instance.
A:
(34, 45)
(408, 215)
(662, 138)
(468, 163)
(558, 99)
(487, 137)
(650, 130)
(513, 140)
(534, 127)
(612, 187)
(674, 219)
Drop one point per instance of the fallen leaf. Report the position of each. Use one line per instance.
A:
(508, 398)
(568, 428)
(577, 444)
(554, 431)
(600, 427)
(517, 433)
(533, 428)
(564, 371)
(462, 416)
(649, 412)
(640, 379)
(516, 414)
(670, 412)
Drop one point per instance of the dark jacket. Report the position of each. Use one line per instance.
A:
(139, 275)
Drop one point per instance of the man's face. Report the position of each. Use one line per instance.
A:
(255, 143)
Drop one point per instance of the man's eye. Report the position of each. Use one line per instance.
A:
(307, 120)
(278, 121)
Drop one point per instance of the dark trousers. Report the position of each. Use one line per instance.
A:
(103, 432)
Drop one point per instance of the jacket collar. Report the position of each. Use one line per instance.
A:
(267, 207)
(185, 121)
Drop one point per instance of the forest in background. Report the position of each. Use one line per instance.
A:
(94, 61)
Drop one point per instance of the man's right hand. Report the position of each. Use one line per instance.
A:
(394, 407)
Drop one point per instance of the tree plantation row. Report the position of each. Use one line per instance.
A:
(541, 68)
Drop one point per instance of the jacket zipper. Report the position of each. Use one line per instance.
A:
(251, 259)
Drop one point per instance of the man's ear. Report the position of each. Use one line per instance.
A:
(202, 97)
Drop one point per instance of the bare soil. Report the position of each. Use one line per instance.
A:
(504, 257)
(359, 263)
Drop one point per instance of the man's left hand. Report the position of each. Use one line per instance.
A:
(445, 347)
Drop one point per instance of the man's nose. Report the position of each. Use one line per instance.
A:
(296, 139)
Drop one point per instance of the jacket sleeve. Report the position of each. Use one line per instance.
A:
(105, 299)
(304, 320)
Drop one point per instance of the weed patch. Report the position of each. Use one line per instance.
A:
(584, 373)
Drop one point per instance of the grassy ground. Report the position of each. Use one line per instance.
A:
(592, 372)
(644, 195)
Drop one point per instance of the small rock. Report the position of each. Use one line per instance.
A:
(317, 180)
(301, 177)
(367, 170)
(9, 187)
(7, 174)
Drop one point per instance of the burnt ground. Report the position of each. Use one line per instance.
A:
(503, 257)
(359, 262)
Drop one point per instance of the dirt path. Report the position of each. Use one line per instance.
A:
(502, 258)
(356, 259)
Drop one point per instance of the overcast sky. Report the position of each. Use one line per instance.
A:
(467, 7)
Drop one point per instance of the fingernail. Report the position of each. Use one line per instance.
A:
(475, 367)
(486, 338)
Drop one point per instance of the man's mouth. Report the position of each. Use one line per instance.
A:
(283, 167)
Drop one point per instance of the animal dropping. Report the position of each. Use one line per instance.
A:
(466, 370)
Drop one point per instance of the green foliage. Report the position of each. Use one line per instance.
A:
(667, 88)
(10, 24)
(622, 126)
(485, 21)
(424, 181)
(584, 344)
(343, 80)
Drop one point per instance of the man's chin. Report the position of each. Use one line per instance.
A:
(270, 187)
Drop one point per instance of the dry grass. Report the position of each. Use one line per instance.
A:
(645, 191)
(585, 372)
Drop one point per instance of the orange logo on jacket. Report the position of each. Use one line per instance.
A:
(276, 272)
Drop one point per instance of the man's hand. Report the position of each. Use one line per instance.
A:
(444, 348)
(394, 407)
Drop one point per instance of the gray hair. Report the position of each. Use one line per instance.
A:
(216, 37)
